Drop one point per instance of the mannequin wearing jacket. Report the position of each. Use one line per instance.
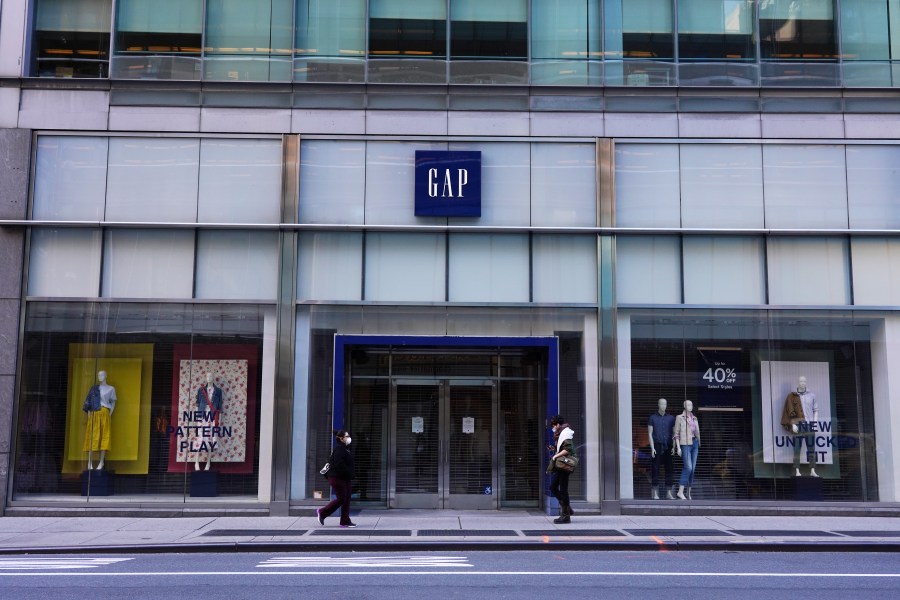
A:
(799, 406)
(100, 404)
(659, 430)
(209, 400)
(686, 437)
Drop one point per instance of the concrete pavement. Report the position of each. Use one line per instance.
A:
(404, 530)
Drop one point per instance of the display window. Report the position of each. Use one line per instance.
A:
(750, 406)
(125, 401)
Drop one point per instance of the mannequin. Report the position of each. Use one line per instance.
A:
(99, 406)
(659, 430)
(209, 400)
(799, 406)
(686, 437)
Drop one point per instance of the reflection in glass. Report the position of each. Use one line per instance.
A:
(797, 29)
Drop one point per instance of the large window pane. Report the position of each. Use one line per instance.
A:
(805, 187)
(331, 40)
(237, 265)
(564, 37)
(876, 271)
(71, 38)
(563, 185)
(488, 30)
(64, 263)
(505, 182)
(148, 263)
(320, 256)
(390, 171)
(648, 270)
(153, 179)
(721, 186)
(808, 271)
(332, 182)
(70, 178)
(647, 185)
(715, 29)
(249, 41)
(564, 268)
(873, 182)
(797, 29)
(488, 268)
(240, 181)
(405, 267)
(158, 39)
(724, 270)
(411, 29)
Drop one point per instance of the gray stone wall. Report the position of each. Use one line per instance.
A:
(15, 154)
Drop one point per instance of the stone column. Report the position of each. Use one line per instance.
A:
(15, 154)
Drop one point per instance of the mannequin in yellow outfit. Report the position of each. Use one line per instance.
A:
(100, 404)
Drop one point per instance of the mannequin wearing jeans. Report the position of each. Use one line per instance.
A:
(659, 431)
(687, 440)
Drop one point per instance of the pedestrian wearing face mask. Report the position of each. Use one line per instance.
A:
(340, 473)
(563, 436)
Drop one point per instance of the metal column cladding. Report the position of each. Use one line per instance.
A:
(448, 183)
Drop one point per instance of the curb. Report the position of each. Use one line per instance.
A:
(475, 546)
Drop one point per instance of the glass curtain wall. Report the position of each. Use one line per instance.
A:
(71, 38)
(407, 41)
(870, 42)
(158, 39)
(565, 42)
(330, 41)
(715, 42)
(249, 41)
(489, 41)
(641, 34)
(798, 42)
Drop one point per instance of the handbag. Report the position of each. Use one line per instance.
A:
(566, 463)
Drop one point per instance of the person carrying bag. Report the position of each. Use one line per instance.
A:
(562, 464)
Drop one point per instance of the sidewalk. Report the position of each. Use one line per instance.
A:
(408, 530)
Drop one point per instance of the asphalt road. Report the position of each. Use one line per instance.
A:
(546, 575)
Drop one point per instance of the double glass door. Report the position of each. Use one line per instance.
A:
(444, 447)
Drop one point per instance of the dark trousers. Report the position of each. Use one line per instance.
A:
(663, 457)
(341, 489)
(805, 439)
(559, 486)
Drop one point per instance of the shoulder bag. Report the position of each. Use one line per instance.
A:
(566, 463)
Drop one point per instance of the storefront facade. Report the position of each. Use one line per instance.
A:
(252, 265)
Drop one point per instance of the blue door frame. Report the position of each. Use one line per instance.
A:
(341, 342)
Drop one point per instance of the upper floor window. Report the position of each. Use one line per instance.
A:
(71, 38)
(797, 29)
(159, 39)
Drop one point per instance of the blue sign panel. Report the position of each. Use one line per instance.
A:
(448, 184)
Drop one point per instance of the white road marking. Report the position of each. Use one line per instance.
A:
(469, 573)
(56, 562)
(365, 561)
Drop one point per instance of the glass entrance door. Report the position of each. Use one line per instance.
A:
(444, 444)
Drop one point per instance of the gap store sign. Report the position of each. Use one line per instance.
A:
(448, 183)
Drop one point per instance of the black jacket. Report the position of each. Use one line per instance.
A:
(341, 462)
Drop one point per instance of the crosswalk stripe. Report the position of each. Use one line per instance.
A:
(56, 562)
(365, 561)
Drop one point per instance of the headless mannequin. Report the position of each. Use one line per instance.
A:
(664, 448)
(802, 390)
(682, 433)
(108, 398)
(210, 394)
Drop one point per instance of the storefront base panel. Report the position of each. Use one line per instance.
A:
(97, 510)
(758, 509)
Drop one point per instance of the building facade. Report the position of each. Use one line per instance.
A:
(231, 227)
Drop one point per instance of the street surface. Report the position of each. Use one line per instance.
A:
(515, 575)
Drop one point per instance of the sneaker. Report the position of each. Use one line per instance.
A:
(321, 516)
(348, 525)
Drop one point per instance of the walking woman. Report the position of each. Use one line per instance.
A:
(559, 479)
(340, 473)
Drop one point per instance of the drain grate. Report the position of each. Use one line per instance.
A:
(366, 532)
(575, 532)
(253, 532)
(467, 532)
(678, 532)
(782, 533)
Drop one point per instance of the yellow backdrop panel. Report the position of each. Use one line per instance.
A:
(129, 369)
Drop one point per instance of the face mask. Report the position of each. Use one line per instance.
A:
(348, 440)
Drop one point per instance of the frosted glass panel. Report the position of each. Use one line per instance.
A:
(508, 11)
(876, 271)
(403, 9)
(873, 187)
(648, 270)
(563, 185)
(715, 16)
(808, 271)
(332, 182)
(805, 187)
(647, 16)
(390, 173)
(565, 268)
(488, 268)
(405, 267)
(797, 9)
(70, 178)
(320, 257)
(724, 270)
(237, 265)
(562, 29)
(148, 263)
(647, 192)
(505, 182)
(154, 16)
(240, 181)
(721, 186)
(73, 15)
(64, 263)
(331, 27)
(153, 179)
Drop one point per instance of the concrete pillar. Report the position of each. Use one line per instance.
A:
(15, 154)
